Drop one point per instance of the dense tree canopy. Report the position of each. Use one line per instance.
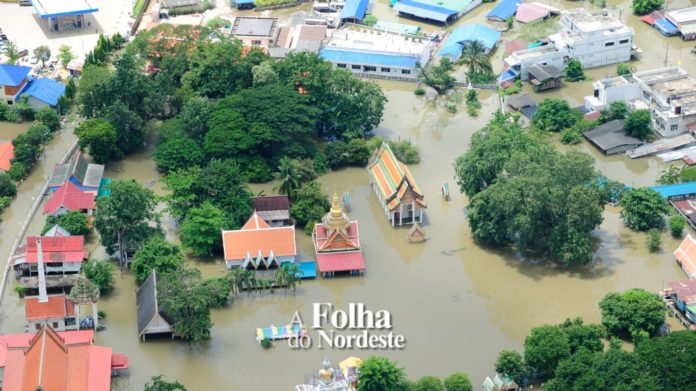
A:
(668, 358)
(553, 115)
(184, 297)
(544, 348)
(310, 205)
(200, 231)
(97, 137)
(75, 222)
(458, 381)
(157, 254)
(643, 209)
(637, 124)
(644, 7)
(510, 363)
(157, 383)
(631, 312)
(380, 374)
(101, 273)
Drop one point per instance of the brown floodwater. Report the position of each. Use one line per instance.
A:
(456, 302)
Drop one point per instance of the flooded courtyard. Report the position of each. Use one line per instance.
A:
(457, 303)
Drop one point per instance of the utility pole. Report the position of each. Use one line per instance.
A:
(666, 53)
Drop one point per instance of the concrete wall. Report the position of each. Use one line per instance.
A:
(411, 73)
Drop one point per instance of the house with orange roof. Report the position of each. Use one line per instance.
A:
(6, 155)
(401, 199)
(52, 361)
(61, 255)
(685, 255)
(257, 245)
(58, 312)
(337, 243)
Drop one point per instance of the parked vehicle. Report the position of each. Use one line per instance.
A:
(24, 3)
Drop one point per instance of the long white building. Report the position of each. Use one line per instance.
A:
(594, 40)
(669, 94)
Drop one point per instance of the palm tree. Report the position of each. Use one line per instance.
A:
(476, 60)
(293, 272)
(288, 177)
(281, 277)
(249, 280)
(236, 278)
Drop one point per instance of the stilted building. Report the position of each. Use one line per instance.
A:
(401, 199)
(337, 243)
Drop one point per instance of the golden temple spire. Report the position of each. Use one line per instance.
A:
(335, 219)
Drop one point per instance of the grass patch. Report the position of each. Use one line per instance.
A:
(531, 32)
(271, 3)
(139, 7)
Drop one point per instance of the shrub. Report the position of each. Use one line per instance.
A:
(7, 187)
(419, 91)
(571, 136)
(48, 117)
(573, 71)
(204, 6)
(452, 108)
(20, 291)
(676, 225)
(101, 273)
(654, 240)
(370, 20)
(266, 343)
(458, 381)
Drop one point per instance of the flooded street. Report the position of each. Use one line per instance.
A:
(457, 303)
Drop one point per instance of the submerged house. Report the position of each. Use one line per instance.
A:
(275, 210)
(436, 11)
(69, 198)
(611, 138)
(151, 320)
(401, 199)
(57, 361)
(337, 243)
(6, 156)
(86, 176)
(684, 295)
(544, 77)
(257, 245)
(61, 255)
(686, 256)
(459, 37)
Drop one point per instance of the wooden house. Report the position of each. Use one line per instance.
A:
(275, 210)
(337, 243)
(544, 77)
(61, 254)
(684, 295)
(151, 320)
(397, 192)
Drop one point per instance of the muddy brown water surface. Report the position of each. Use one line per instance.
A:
(457, 303)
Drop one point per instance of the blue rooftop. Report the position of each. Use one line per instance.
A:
(675, 190)
(243, 1)
(666, 27)
(12, 75)
(367, 58)
(423, 10)
(452, 47)
(45, 90)
(504, 9)
(354, 9)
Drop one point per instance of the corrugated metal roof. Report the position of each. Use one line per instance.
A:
(677, 189)
(12, 75)
(355, 57)
(422, 10)
(45, 90)
(474, 32)
(354, 9)
(666, 27)
(504, 10)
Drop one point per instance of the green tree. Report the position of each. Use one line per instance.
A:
(370, 20)
(632, 311)
(438, 77)
(310, 204)
(264, 73)
(200, 231)
(65, 54)
(194, 117)
(380, 374)
(101, 273)
(476, 60)
(49, 117)
(219, 289)
(123, 218)
(573, 70)
(42, 53)
(624, 68)
(643, 209)
(183, 296)
(157, 383)
(157, 254)
(669, 176)
(676, 225)
(637, 124)
(653, 240)
(75, 222)
(687, 174)
(583, 336)
(177, 152)
(669, 358)
(644, 7)
(553, 115)
(7, 186)
(510, 363)
(544, 348)
(616, 110)
(98, 138)
(428, 383)
(12, 53)
(458, 381)
(288, 177)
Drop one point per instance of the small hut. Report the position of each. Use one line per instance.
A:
(416, 234)
(544, 77)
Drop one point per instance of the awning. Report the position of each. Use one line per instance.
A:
(507, 75)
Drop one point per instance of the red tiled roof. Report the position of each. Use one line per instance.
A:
(6, 154)
(685, 290)
(56, 307)
(268, 203)
(686, 256)
(256, 235)
(340, 261)
(23, 340)
(70, 197)
(55, 364)
(57, 249)
(515, 45)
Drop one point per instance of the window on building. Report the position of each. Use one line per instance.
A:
(386, 69)
(55, 325)
(341, 65)
(609, 44)
(674, 127)
(406, 71)
(357, 67)
(256, 42)
(370, 69)
(37, 326)
(623, 41)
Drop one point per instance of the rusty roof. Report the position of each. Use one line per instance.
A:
(57, 306)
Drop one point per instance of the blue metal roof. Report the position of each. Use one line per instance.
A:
(354, 9)
(666, 27)
(12, 75)
(367, 58)
(243, 1)
(54, 8)
(423, 10)
(509, 74)
(45, 90)
(474, 32)
(504, 9)
(677, 189)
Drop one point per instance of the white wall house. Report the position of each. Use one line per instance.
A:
(368, 52)
(669, 94)
(594, 40)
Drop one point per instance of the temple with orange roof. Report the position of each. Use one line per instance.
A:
(396, 190)
(257, 245)
(686, 256)
(52, 361)
(337, 243)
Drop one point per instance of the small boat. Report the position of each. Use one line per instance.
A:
(291, 330)
(346, 202)
(445, 190)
